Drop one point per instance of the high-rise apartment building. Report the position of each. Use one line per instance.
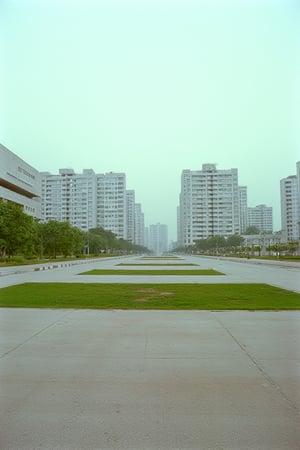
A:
(290, 206)
(19, 183)
(298, 181)
(243, 198)
(158, 238)
(139, 225)
(209, 204)
(146, 237)
(90, 200)
(135, 219)
(70, 197)
(111, 203)
(130, 208)
(261, 217)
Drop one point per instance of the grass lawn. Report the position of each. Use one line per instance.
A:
(157, 264)
(151, 272)
(160, 257)
(20, 260)
(150, 296)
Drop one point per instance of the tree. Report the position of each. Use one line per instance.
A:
(17, 230)
(216, 243)
(105, 239)
(252, 230)
(60, 238)
(213, 243)
(202, 245)
(234, 241)
(77, 240)
(49, 235)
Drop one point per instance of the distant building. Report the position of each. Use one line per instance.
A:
(111, 203)
(139, 225)
(130, 217)
(261, 217)
(264, 241)
(298, 180)
(158, 238)
(290, 206)
(70, 197)
(243, 200)
(135, 219)
(88, 200)
(146, 237)
(209, 204)
(19, 183)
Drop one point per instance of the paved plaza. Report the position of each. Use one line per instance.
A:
(277, 273)
(112, 379)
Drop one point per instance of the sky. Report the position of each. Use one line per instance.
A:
(153, 87)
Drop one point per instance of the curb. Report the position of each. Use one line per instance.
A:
(54, 266)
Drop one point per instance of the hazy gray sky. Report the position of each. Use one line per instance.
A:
(152, 87)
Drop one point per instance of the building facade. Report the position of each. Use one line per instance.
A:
(243, 200)
(158, 238)
(130, 209)
(88, 200)
(139, 225)
(261, 217)
(19, 183)
(209, 204)
(69, 197)
(290, 205)
(111, 203)
(135, 219)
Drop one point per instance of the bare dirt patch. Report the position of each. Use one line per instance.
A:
(154, 294)
(147, 290)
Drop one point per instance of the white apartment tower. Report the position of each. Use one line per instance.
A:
(139, 225)
(261, 217)
(70, 197)
(111, 203)
(130, 208)
(243, 198)
(290, 204)
(158, 238)
(146, 237)
(298, 182)
(90, 200)
(209, 204)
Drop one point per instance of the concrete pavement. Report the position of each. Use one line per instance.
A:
(149, 380)
(285, 275)
(80, 379)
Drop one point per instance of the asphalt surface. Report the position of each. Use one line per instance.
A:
(79, 379)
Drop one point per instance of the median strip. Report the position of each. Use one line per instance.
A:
(150, 296)
(174, 272)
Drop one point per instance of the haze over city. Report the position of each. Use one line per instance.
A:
(152, 88)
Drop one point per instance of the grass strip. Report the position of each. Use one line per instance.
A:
(151, 272)
(157, 264)
(150, 296)
(160, 257)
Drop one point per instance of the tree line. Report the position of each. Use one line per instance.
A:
(214, 244)
(235, 245)
(21, 234)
